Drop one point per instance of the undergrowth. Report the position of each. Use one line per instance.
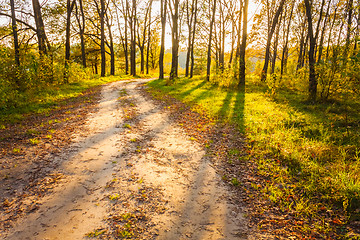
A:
(309, 152)
(47, 96)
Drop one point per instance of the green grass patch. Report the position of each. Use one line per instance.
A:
(315, 146)
(43, 100)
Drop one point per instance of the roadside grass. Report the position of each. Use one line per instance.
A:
(48, 97)
(310, 152)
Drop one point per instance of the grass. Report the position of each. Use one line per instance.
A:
(312, 151)
(50, 96)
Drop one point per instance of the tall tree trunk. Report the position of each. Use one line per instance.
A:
(208, 66)
(148, 40)
(102, 44)
(232, 42)
(237, 54)
(69, 8)
(302, 46)
(268, 43)
(221, 40)
(124, 38)
(321, 43)
(132, 24)
(111, 47)
(242, 63)
(312, 74)
(15, 34)
(189, 19)
(349, 9)
(193, 40)
(163, 6)
(40, 28)
(330, 36)
(175, 41)
(82, 32)
(285, 49)
(275, 46)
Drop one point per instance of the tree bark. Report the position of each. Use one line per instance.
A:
(112, 51)
(275, 47)
(81, 25)
(148, 40)
(15, 34)
(208, 66)
(242, 63)
(193, 40)
(102, 45)
(69, 8)
(285, 49)
(349, 9)
(132, 23)
(312, 74)
(268, 43)
(321, 43)
(163, 5)
(175, 41)
(189, 19)
(40, 28)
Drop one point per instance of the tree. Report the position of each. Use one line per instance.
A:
(15, 34)
(69, 8)
(102, 44)
(212, 17)
(81, 25)
(268, 42)
(243, 45)
(174, 11)
(163, 5)
(40, 28)
(312, 75)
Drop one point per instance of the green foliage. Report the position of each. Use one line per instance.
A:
(96, 233)
(273, 84)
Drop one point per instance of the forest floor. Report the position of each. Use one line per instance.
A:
(118, 164)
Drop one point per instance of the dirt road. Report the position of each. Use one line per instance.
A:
(134, 174)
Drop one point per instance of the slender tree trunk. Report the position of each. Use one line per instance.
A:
(142, 59)
(69, 8)
(239, 31)
(221, 40)
(285, 49)
(242, 62)
(96, 64)
(209, 44)
(112, 51)
(163, 5)
(40, 28)
(268, 43)
(133, 39)
(148, 41)
(189, 19)
(175, 41)
(124, 36)
(330, 36)
(301, 48)
(232, 43)
(312, 74)
(321, 43)
(357, 31)
(348, 29)
(15, 34)
(275, 46)
(102, 29)
(193, 40)
(82, 31)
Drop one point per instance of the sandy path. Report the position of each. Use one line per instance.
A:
(154, 156)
